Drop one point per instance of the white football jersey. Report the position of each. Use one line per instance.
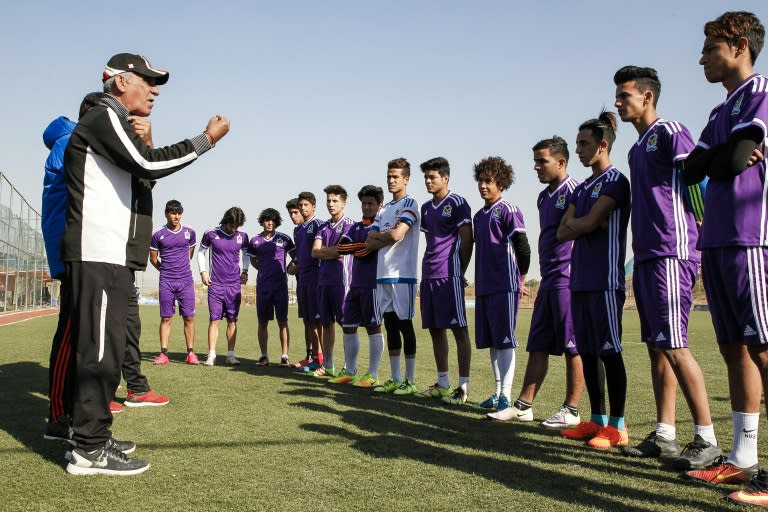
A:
(397, 263)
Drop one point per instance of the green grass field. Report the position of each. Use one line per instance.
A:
(251, 438)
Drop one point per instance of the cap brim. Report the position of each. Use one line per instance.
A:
(160, 78)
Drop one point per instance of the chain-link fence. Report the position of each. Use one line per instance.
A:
(25, 282)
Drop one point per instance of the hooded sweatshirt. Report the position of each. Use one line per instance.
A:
(56, 136)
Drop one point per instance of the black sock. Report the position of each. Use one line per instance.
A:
(164, 351)
(522, 405)
(572, 410)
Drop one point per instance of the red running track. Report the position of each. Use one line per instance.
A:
(19, 316)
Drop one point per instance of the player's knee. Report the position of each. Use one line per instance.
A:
(759, 354)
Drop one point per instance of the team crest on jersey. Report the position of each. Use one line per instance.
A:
(596, 190)
(560, 204)
(397, 212)
(496, 212)
(736, 110)
(280, 242)
(447, 210)
(311, 228)
(187, 235)
(339, 228)
(652, 144)
(239, 239)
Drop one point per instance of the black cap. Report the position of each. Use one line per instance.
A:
(129, 62)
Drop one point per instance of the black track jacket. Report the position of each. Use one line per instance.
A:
(110, 172)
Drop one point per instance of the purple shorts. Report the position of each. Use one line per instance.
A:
(495, 320)
(551, 326)
(359, 307)
(663, 292)
(224, 301)
(306, 294)
(597, 321)
(735, 282)
(442, 303)
(272, 303)
(330, 298)
(172, 290)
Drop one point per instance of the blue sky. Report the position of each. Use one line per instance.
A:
(328, 92)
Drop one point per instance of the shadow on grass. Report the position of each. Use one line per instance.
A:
(425, 431)
(25, 408)
(524, 476)
(524, 457)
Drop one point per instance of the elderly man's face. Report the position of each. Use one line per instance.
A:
(138, 93)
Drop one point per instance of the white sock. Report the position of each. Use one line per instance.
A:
(706, 432)
(443, 379)
(265, 354)
(506, 361)
(212, 353)
(328, 358)
(495, 370)
(376, 349)
(351, 349)
(394, 362)
(464, 384)
(744, 452)
(284, 356)
(230, 353)
(410, 369)
(666, 431)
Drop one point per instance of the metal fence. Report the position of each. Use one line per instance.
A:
(25, 282)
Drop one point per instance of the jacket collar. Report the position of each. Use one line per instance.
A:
(113, 103)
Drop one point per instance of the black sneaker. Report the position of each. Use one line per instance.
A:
(696, 455)
(126, 447)
(59, 430)
(107, 460)
(653, 446)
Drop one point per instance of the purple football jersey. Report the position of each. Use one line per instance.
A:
(270, 254)
(554, 256)
(303, 238)
(496, 269)
(334, 272)
(226, 255)
(743, 200)
(363, 269)
(440, 223)
(597, 261)
(663, 225)
(173, 249)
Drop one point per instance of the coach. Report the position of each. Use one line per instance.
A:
(110, 172)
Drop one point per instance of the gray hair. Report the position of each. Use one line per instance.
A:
(109, 84)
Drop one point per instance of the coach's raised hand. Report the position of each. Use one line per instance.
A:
(218, 127)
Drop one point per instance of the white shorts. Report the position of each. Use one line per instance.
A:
(399, 298)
